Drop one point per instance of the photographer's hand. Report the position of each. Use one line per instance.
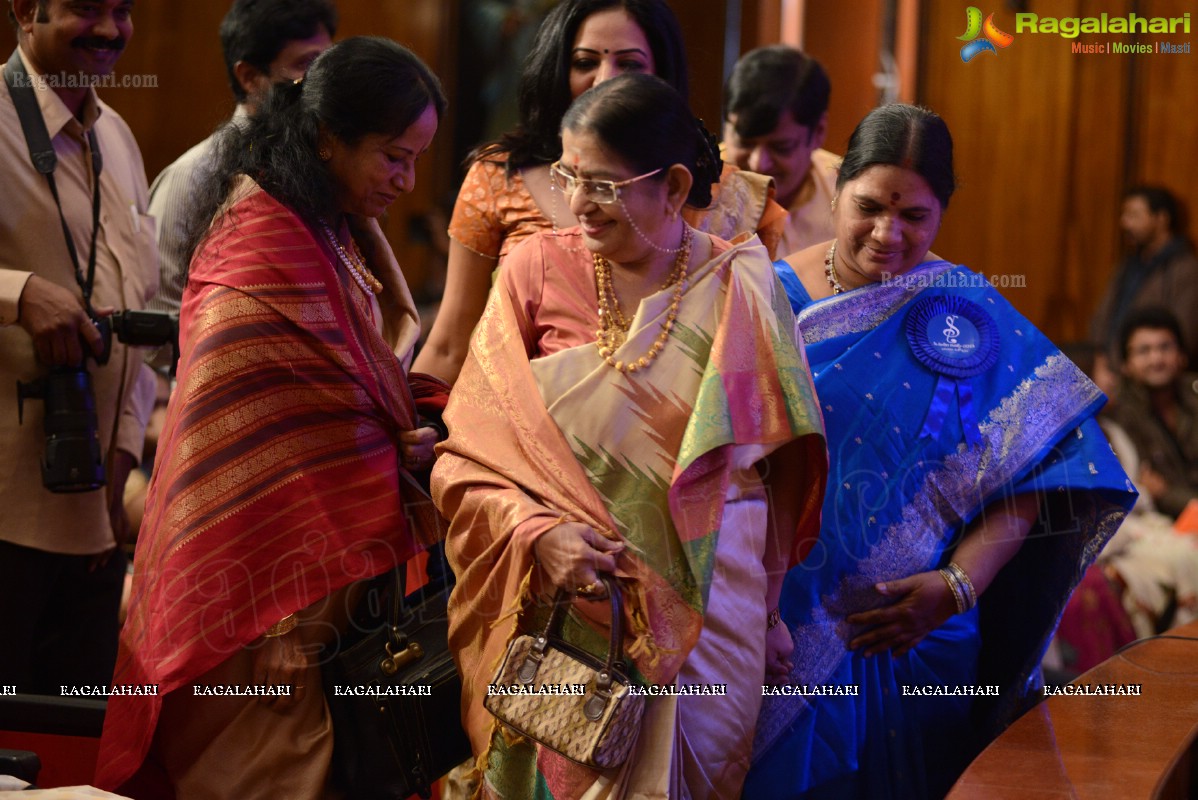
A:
(57, 321)
(122, 465)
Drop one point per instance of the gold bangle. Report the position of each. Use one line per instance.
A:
(773, 619)
(955, 588)
(284, 626)
(971, 596)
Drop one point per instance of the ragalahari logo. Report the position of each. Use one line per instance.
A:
(991, 37)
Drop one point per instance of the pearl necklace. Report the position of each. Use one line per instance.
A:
(354, 263)
(830, 270)
(613, 325)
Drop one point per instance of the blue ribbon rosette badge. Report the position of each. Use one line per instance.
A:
(957, 340)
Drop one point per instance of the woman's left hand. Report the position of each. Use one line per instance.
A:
(778, 647)
(920, 604)
(416, 449)
(281, 661)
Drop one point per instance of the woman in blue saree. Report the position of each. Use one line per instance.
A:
(970, 488)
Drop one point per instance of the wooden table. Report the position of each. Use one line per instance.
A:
(1116, 746)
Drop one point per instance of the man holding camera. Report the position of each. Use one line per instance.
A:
(75, 246)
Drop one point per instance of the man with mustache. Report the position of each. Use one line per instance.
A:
(75, 240)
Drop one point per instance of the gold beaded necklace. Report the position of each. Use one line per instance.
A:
(830, 270)
(613, 325)
(355, 263)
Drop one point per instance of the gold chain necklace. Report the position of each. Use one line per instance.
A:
(611, 316)
(613, 325)
(830, 270)
(354, 263)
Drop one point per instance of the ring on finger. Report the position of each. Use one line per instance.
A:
(588, 589)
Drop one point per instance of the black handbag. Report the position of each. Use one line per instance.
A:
(395, 696)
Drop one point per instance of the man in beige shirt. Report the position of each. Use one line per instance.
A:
(60, 577)
(775, 122)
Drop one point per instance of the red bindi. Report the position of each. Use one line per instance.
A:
(895, 197)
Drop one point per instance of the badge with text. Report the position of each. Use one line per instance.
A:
(956, 339)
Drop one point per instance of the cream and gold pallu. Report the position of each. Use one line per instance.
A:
(665, 460)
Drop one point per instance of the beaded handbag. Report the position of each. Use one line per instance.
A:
(566, 699)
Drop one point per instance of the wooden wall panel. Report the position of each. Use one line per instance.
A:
(703, 24)
(1165, 105)
(847, 43)
(1040, 135)
(178, 44)
(1091, 195)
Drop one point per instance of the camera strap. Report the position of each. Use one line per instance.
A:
(41, 153)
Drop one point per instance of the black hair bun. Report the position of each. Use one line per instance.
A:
(709, 164)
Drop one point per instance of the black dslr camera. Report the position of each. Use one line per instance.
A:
(72, 460)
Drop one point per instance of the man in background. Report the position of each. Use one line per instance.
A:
(264, 42)
(75, 243)
(775, 121)
(1159, 270)
(1158, 407)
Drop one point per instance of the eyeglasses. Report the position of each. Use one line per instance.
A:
(602, 192)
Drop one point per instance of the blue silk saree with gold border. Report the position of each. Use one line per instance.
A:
(915, 458)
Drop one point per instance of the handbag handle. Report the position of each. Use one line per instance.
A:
(595, 705)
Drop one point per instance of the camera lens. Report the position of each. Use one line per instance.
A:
(72, 456)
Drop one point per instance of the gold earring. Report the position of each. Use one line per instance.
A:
(324, 154)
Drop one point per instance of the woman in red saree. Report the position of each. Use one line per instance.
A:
(284, 468)
(655, 446)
